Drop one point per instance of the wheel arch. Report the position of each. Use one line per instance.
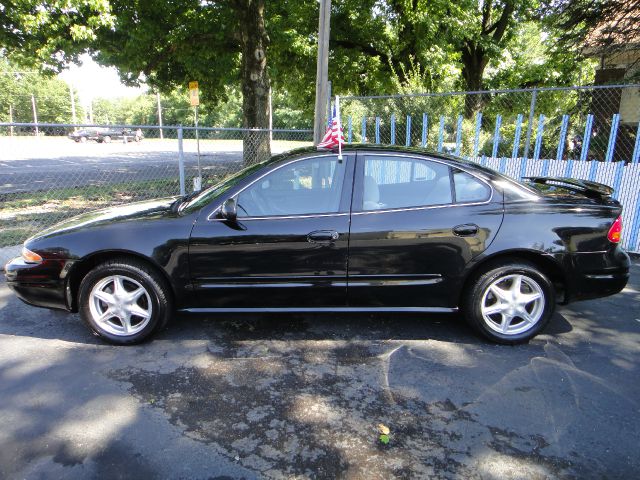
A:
(83, 266)
(546, 264)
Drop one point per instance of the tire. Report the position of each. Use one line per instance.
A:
(107, 139)
(505, 313)
(124, 301)
(83, 139)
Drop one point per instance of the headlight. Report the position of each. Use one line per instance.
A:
(29, 256)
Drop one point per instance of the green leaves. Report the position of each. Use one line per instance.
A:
(377, 47)
(52, 96)
(384, 432)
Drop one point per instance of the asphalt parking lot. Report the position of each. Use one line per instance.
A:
(300, 396)
(31, 164)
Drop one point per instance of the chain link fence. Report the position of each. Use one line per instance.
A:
(52, 172)
(599, 122)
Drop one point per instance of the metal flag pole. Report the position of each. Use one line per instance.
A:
(339, 127)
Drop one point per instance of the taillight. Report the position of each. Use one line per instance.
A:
(615, 231)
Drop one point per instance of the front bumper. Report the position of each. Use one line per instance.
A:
(39, 284)
(597, 274)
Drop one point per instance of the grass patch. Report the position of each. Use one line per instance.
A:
(26, 213)
(118, 192)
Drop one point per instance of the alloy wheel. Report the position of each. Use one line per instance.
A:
(120, 305)
(512, 304)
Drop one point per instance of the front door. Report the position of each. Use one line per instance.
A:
(289, 245)
(416, 223)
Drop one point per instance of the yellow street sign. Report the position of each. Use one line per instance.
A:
(194, 94)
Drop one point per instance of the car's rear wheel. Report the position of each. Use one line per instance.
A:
(107, 139)
(83, 139)
(124, 301)
(510, 304)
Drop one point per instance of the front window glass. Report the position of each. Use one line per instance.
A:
(399, 182)
(200, 199)
(311, 186)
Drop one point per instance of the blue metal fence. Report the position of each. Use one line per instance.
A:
(588, 141)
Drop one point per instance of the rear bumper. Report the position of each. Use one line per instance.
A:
(597, 274)
(41, 285)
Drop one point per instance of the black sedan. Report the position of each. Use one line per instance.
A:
(108, 134)
(82, 136)
(380, 229)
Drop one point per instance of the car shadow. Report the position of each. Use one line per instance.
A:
(19, 319)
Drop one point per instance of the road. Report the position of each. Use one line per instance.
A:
(273, 396)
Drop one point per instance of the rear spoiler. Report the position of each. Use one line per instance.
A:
(587, 187)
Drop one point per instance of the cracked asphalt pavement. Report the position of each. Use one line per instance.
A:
(300, 396)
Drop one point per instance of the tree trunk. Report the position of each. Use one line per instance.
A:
(474, 61)
(255, 79)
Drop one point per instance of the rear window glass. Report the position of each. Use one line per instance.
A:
(468, 188)
(400, 182)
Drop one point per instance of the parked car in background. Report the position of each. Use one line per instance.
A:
(381, 228)
(121, 134)
(82, 136)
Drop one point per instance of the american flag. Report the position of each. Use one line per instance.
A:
(334, 136)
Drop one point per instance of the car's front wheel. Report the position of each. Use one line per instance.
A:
(107, 139)
(510, 304)
(124, 301)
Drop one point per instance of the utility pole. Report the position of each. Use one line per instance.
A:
(73, 107)
(35, 114)
(322, 71)
(159, 114)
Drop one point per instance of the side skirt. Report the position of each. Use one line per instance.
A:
(321, 309)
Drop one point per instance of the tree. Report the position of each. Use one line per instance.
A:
(216, 43)
(604, 27)
(248, 46)
(51, 94)
(52, 34)
(165, 44)
(473, 32)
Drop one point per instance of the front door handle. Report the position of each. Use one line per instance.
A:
(323, 236)
(466, 230)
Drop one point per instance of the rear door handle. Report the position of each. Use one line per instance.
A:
(323, 236)
(466, 230)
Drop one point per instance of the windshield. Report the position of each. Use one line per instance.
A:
(207, 196)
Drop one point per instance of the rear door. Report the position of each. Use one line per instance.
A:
(416, 222)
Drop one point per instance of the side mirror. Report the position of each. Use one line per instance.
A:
(229, 210)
